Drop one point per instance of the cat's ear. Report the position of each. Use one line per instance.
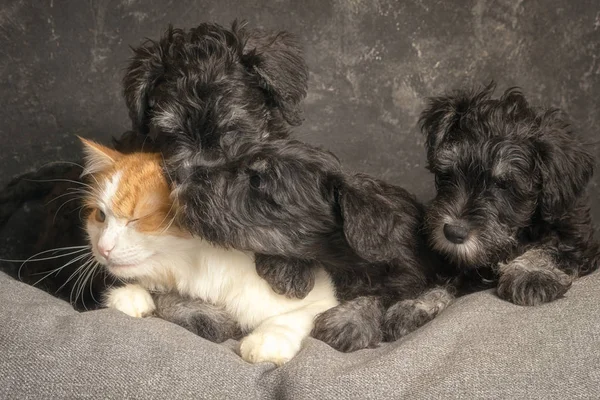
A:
(97, 158)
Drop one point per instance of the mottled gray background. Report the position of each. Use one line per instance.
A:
(372, 62)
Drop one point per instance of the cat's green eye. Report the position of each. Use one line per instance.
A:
(100, 216)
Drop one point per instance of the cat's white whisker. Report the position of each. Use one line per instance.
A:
(94, 178)
(80, 189)
(104, 280)
(47, 251)
(79, 284)
(144, 142)
(60, 196)
(56, 270)
(49, 258)
(58, 180)
(169, 225)
(32, 258)
(80, 210)
(61, 267)
(166, 170)
(75, 273)
(82, 283)
(61, 162)
(61, 206)
(76, 164)
(75, 287)
(96, 267)
(166, 216)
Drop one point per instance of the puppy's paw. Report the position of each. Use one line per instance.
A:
(407, 316)
(351, 326)
(403, 318)
(277, 346)
(525, 284)
(292, 278)
(206, 320)
(133, 300)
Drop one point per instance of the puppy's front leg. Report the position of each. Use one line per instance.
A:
(290, 277)
(353, 325)
(206, 320)
(407, 316)
(532, 278)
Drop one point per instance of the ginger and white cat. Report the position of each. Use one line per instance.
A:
(132, 234)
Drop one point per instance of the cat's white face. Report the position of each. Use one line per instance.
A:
(116, 244)
(130, 223)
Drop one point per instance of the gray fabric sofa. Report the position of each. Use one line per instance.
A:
(372, 64)
(480, 348)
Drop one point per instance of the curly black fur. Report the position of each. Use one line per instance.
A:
(408, 315)
(211, 86)
(291, 277)
(354, 324)
(206, 320)
(293, 206)
(510, 182)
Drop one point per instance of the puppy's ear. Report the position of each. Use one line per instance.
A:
(564, 164)
(277, 61)
(379, 220)
(445, 115)
(143, 75)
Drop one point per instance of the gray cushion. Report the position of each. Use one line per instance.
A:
(481, 347)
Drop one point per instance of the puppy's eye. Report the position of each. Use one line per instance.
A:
(100, 216)
(442, 180)
(501, 183)
(255, 181)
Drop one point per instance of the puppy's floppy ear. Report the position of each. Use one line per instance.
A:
(277, 61)
(143, 75)
(564, 165)
(379, 220)
(445, 114)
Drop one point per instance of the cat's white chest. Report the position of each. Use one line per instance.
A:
(228, 277)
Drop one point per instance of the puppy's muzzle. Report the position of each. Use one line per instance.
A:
(456, 233)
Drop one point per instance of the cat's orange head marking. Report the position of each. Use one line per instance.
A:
(132, 186)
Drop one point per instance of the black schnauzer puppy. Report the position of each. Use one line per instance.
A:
(292, 206)
(217, 85)
(214, 99)
(511, 203)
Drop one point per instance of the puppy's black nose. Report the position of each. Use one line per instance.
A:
(456, 233)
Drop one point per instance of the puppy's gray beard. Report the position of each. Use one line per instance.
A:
(467, 254)
(486, 246)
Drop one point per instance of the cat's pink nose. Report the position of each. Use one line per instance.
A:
(104, 250)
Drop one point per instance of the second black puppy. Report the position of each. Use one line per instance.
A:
(511, 202)
(291, 204)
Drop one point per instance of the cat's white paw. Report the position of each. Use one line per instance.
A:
(277, 346)
(133, 300)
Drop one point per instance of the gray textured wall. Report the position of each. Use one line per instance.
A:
(372, 62)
